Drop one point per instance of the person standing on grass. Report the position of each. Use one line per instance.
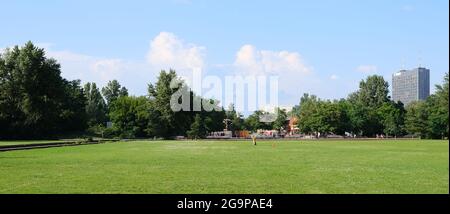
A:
(254, 139)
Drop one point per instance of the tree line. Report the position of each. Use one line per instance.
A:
(370, 112)
(36, 102)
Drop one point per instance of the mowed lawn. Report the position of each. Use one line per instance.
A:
(389, 166)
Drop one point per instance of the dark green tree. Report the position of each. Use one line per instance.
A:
(255, 121)
(437, 118)
(214, 119)
(344, 125)
(438, 104)
(281, 120)
(35, 101)
(155, 128)
(234, 118)
(363, 113)
(429, 118)
(130, 116)
(392, 115)
(331, 118)
(373, 92)
(96, 108)
(73, 112)
(166, 122)
(160, 95)
(416, 119)
(198, 129)
(306, 114)
(113, 90)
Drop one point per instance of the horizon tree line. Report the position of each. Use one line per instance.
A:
(37, 103)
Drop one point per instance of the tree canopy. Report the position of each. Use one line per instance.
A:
(96, 108)
(113, 90)
(35, 101)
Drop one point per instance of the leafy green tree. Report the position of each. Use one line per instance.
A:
(32, 88)
(358, 117)
(35, 101)
(416, 119)
(437, 120)
(73, 112)
(160, 95)
(307, 112)
(234, 118)
(281, 120)
(325, 117)
(373, 92)
(363, 113)
(165, 122)
(155, 128)
(439, 110)
(96, 108)
(253, 122)
(113, 90)
(237, 122)
(331, 118)
(392, 115)
(198, 129)
(214, 119)
(130, 116)
(429, 119)
(344, 125)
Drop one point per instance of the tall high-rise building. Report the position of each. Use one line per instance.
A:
(411, 85)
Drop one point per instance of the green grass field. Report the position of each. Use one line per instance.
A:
(402, 166)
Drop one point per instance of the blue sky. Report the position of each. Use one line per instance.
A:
(333, 44)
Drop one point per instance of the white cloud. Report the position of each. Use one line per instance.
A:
(263, 62)
(100, 69)
(294, 75)
(168, 51)
(107, 68)
(334, 77)
(44, 45)
(367, 68)
(79, 66)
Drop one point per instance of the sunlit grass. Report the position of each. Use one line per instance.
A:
(403, 166)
